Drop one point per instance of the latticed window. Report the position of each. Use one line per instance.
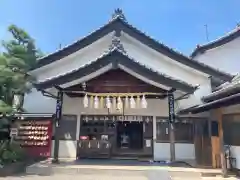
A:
(231, 129)
(183, 131)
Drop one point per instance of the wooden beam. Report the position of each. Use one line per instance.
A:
(221, 142)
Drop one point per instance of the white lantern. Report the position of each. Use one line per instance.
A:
(119, 103)
(85, 101)
(108, 102)
(144, 102)
(132, 103)
(96, 102)
(114, 103)
(126, 102)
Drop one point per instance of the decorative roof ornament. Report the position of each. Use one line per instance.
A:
(118, 13)
(116, 44)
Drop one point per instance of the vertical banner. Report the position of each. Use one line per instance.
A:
(59, 107)
(171, 108)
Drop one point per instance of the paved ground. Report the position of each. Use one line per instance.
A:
(103, 177)
(70, 170)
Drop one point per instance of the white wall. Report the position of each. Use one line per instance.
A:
(74, 61)
(235, 150)
(164, 64)
(183, 151)
(225, 57)
(67, 149)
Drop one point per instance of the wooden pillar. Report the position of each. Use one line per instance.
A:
(171, 125)
(57, 125)
(221, 143)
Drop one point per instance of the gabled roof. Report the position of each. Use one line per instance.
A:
(226, 95)
(200, 49)
(223, 102)
(224, 90)
(118, 24)
(117, 57)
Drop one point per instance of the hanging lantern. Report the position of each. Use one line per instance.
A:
(101, 102)
(144, 102)
(138, 102)
(114, 103)
(147, 119)
(119, 103)
(91, 101)
(108, 102)
(96, 102)
(85, 101)
(132, 103)
(126, 102)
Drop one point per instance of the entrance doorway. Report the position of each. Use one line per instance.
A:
(130, 135)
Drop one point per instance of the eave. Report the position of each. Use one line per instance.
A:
(226, 89)
(221, 94)
(223, 102)
(116, 59)
(118, 25)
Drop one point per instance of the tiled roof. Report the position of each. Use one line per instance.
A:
(217, 42)
(226, 89)
(118, 17)
(118, 49)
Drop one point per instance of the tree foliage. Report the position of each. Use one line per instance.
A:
(18, 57)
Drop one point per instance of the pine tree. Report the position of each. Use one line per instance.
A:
(19, 56)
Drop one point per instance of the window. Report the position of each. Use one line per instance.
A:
(68, 127)
(231, 129)
(183, 131)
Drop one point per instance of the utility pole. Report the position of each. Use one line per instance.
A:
(206, 32)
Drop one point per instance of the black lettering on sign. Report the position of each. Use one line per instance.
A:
(171, 108)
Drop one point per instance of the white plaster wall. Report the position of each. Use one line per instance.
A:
(161, 151)
(75, 60)
(195, 99)
(67, 149)
(183, 151)
(164, 64)
(235, 150)
(225, 57)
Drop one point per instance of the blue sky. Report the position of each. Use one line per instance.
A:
(177, 23)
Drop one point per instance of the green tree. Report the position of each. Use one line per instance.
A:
(18, 57)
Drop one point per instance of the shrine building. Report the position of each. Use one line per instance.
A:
(117, 92)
